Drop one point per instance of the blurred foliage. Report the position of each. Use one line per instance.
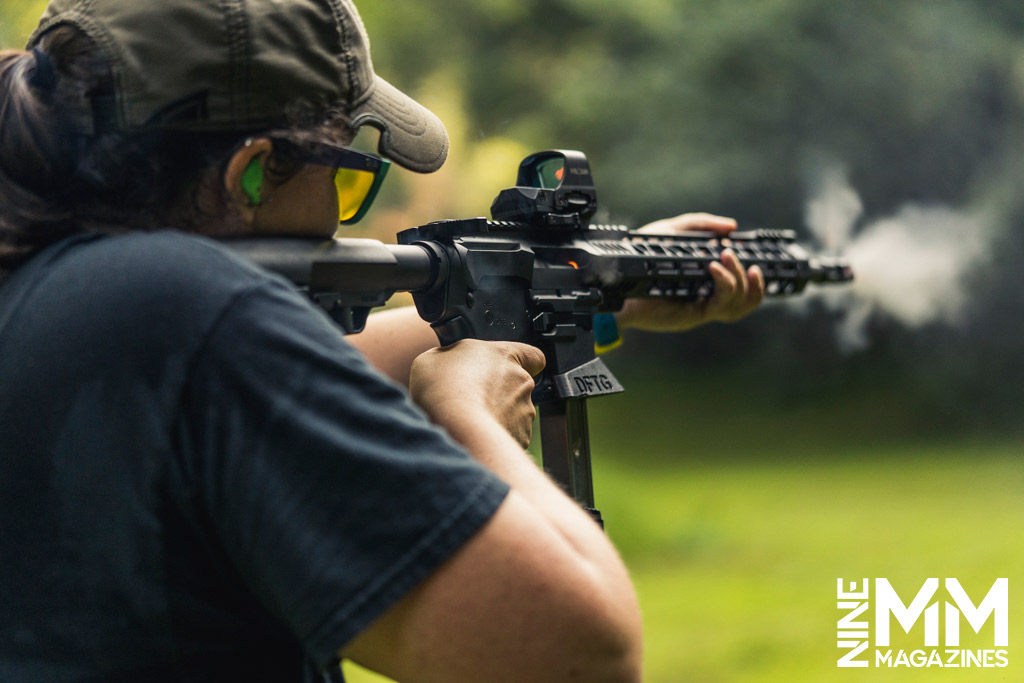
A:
(724, 104)
(17, 19)
(749, 465)
(735, 107)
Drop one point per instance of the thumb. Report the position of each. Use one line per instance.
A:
(719, 225)
(529, 357)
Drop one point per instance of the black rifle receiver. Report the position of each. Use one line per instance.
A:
(538, 273)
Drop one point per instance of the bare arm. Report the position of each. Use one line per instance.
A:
(539, 594)
(392, 340)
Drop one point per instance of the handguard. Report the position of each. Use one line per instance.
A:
(539, 273)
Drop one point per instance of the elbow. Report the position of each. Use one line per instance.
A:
(613, 650)
(611, 663)
(621, 661)
(596, 637)
(614, 665)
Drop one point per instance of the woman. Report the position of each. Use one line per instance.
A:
(201, 480)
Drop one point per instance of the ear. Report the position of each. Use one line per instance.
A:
(244, 169)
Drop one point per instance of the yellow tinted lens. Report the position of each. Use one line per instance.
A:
(352, 186)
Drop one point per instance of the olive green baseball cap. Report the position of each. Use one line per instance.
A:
(223, 65)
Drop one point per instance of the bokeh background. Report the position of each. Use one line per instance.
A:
(874, 431)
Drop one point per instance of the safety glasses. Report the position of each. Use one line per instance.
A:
(357, 175)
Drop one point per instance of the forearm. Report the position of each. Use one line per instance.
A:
(517, 603)
(497, 450)
(538, 593)
(393, 338)
(480, 392)
(609, 587)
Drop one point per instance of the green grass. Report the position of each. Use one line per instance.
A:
(736, 561)
(737, 502)
(736, 566)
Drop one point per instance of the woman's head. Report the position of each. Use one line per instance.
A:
(122, 108)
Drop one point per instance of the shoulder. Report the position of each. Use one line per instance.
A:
(167, 274)
(148, 295)
(157, 260)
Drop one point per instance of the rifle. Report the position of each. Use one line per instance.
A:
(538, 273)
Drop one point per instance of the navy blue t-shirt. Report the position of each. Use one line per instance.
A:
(200, 480)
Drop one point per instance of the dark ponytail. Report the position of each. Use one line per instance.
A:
(31, 155)
(58, 177)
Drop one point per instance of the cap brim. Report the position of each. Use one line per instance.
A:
(411, 135)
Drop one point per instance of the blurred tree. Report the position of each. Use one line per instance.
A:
(736, 107)
(17, 19)
(726, 104)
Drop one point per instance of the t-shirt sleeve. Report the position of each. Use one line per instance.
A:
(328, 489)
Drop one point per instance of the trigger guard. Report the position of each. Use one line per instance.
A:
(452, 330)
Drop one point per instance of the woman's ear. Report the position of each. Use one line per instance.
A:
(243, 177)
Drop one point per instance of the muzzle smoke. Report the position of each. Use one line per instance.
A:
(912, 266)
